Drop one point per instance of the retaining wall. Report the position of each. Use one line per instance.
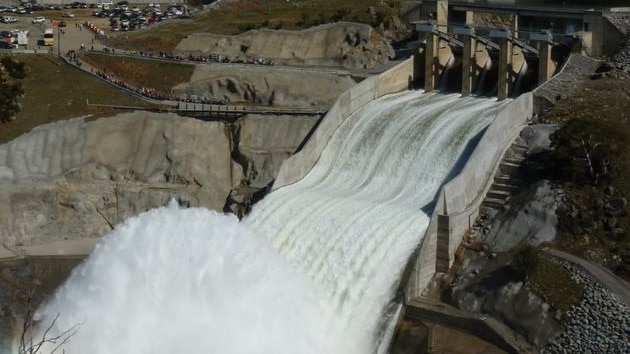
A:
(393, 80)
(485, 328)
(459, 200)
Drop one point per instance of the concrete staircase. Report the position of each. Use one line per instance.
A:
(507, 179)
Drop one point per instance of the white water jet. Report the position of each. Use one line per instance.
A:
(190, 281)
(329, 256)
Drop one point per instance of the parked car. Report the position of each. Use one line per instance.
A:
(39, 19)
(8, 19)
(67, 14)
(5, 45)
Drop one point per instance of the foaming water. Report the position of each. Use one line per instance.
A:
(315, 277)
(190, 281)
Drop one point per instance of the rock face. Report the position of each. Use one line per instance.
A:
(528, 221)
(77, 178)
(256, 85)
(530, 218)
(340, 44)
(260, 145)
(264, 142)
(489, 285)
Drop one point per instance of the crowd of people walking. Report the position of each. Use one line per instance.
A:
(151, 93)
(206, 58)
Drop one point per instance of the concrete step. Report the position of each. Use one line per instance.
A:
(508, 187)
(518, 150)
(497, 194)
(519, 146)
(514, 160)
(507, 180)
(509, 168)
(494, 203)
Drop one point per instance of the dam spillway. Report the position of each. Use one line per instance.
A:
(310, 270)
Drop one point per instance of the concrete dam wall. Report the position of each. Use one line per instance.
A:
(393, 80)
(458, 201)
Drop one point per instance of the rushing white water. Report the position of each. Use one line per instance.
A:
(328, 256)
(352, 222)
(190, 281)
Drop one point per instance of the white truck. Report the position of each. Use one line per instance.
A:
(49, 37)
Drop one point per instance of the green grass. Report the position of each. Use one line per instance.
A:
(553, 282)
(548, 279)
(56, 92)
(250, 14)
(141, 72)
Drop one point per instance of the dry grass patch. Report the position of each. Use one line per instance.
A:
(56, 92)
(548, 279)
(142, 72)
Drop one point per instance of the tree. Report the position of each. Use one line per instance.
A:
(33, 345)
(11, 71)
(35, 337)
(16, 69)
(585, 151)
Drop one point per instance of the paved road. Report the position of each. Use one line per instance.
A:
(617, 285)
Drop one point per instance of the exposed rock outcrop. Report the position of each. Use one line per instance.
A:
(491, 286)
(264, 142)
(77, 178)
(530, 216)
(261, 143)
(530, 219)
(257, 85)
(341, 44)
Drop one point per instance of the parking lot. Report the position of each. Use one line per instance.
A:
(65, 38)
(111, 21)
